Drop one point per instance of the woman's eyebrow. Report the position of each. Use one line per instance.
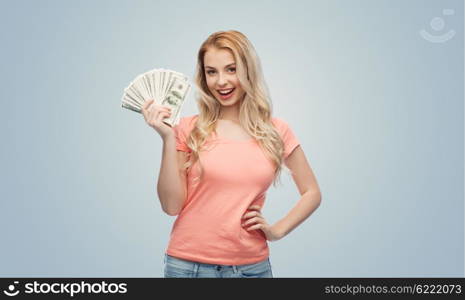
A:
(225, 66)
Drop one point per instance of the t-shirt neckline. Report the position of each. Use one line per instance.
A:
(233, 141)
(218, 138)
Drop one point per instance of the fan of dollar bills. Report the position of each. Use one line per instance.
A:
(165, 87)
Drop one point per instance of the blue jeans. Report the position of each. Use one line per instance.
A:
(176, 267)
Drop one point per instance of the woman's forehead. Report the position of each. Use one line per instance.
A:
(218, 57)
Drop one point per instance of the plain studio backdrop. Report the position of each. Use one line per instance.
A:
(377, 106)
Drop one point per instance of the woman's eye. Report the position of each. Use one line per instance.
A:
(209, 72)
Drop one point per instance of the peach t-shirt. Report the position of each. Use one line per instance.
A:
(236, 175)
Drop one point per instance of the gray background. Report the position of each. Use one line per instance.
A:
(377, 108)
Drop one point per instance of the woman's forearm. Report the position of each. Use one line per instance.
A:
(307, 204)
(170, 190)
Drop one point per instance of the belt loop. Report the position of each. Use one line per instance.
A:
(196, 269)
(235, 269)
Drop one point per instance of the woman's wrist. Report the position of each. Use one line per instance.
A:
(168, 137)
(278, 231)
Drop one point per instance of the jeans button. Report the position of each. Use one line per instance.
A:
(218, 268)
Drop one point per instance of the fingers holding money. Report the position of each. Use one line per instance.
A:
(147, 104)
(154, 115)
(151, 112)
(161, 113)
(144, 109)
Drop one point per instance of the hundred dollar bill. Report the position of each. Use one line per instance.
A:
(174, 99)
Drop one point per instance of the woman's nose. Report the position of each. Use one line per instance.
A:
(221, 79)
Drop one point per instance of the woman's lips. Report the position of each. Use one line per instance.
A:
(226, 97)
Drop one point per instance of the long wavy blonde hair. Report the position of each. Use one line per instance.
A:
(255, 108)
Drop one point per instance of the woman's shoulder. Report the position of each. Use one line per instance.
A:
(289, 138)
(189, 119)
(279, 123)
(187, 123)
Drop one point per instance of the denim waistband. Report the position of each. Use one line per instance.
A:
(193, 265)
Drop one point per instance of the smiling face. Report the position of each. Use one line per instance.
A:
(220, 73)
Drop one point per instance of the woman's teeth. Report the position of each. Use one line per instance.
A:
(225, 92)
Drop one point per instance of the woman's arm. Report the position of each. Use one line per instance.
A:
(308, 189)
(171, 185)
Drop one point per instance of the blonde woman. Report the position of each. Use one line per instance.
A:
(217, 166)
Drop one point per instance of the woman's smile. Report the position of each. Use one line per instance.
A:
(226, 94)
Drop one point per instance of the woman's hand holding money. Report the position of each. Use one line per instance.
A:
(154, 115)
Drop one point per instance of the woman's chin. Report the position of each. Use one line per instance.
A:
(228, 102)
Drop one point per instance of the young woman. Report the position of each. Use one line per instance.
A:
(217, 166)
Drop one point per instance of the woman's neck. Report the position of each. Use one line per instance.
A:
(229, 113)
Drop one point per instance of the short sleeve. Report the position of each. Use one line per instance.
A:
(287, 135)
(182, 131)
